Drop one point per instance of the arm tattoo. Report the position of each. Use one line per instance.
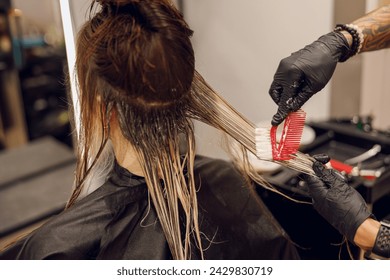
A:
(376, 29)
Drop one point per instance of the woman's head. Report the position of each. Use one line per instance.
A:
(138, 52)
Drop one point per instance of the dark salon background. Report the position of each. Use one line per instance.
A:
(238, 45)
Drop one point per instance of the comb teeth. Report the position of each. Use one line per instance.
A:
(291, 136)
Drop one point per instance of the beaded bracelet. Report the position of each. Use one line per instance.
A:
(357, 39)
(382, 242)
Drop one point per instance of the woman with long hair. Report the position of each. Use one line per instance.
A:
(140, 191)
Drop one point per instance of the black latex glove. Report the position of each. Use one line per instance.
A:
(341, 205)
(306, 72)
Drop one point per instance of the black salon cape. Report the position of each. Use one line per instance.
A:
(116, 222)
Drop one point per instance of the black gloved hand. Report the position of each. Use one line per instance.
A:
(306, 72)
(341, 205)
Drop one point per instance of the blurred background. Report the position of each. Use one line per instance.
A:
(238, 46)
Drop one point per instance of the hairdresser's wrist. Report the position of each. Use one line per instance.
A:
(366, 234)
(348, 37)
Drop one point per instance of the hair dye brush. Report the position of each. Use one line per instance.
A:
(269, 148)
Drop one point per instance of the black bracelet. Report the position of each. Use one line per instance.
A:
(357, 39)
(382, 241)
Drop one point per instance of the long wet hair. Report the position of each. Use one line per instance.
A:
(135, 60)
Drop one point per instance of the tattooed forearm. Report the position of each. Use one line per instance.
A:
(376, 29)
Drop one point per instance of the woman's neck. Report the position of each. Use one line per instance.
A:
(128, 160)
(125, 154)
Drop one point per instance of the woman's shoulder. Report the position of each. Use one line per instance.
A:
(218, 174)
(234, 217)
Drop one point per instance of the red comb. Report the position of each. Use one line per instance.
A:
(291, 136)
